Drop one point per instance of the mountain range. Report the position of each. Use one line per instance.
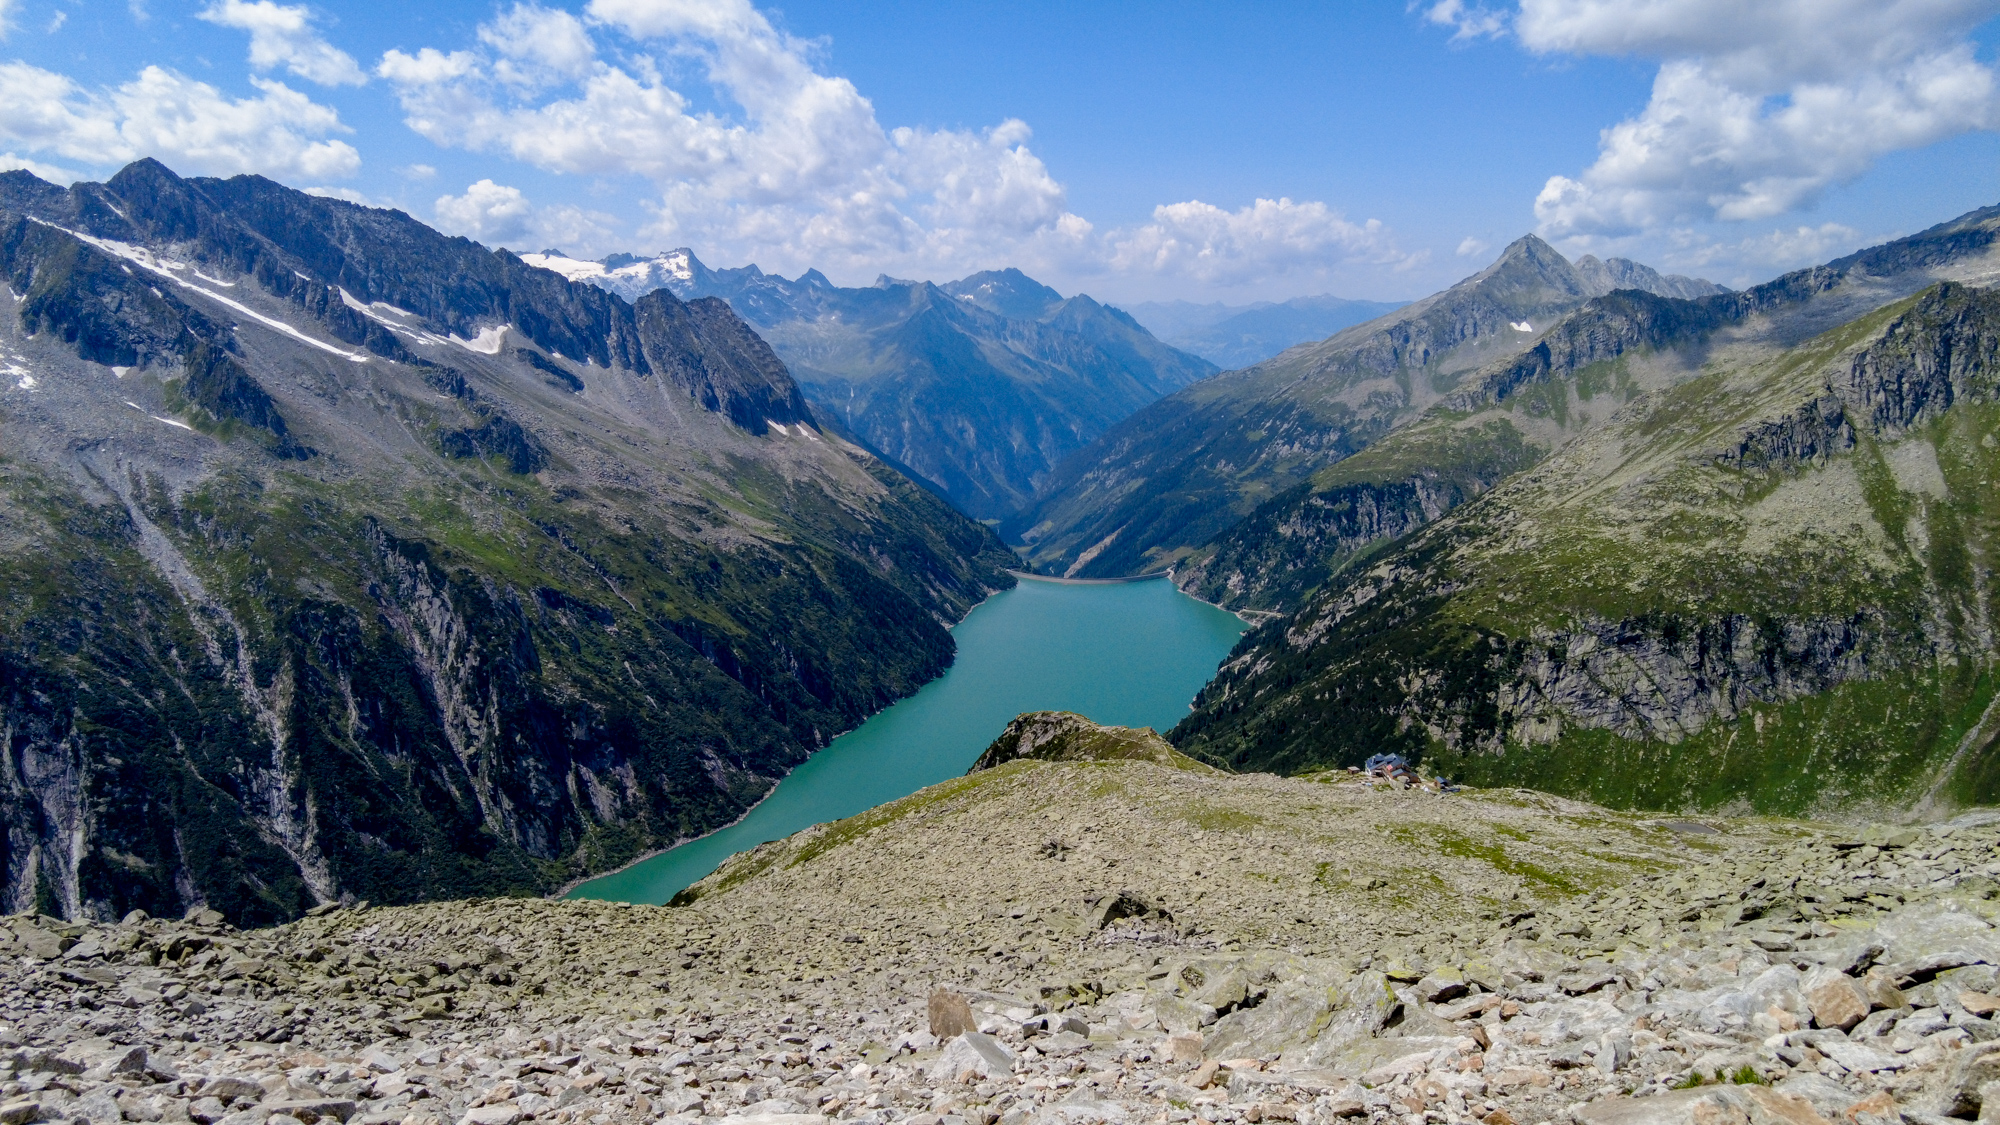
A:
(1729, 552)
(1166, 481)
(978, 386)
(1232, 336)
(343, 559)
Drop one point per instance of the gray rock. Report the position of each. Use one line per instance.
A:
(99, 1106)
(975, 1052)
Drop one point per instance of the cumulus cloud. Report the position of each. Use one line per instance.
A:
(1466, 21)
(778, 163)
(190, 125)
(537, 45)
(283, 36)
(1471, 247)
(6, 23)
(53, 173)
(1781, 249)
(499, 215)
(1757, 108)
(1207, 243)
(487, 212)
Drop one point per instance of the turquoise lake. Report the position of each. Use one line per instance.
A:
(1130, 654)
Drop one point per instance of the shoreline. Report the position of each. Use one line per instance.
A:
(573, 884)
(1022, 574)
(1236, 613)
(564, 891)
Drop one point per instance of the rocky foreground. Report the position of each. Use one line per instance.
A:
(1073, 942)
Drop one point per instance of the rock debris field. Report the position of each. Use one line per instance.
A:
(1086, 942)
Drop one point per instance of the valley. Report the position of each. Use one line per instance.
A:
(978, 387)
(444, 685)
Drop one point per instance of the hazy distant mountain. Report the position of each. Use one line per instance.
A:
(980, 386)
(1167, 480)
(1233, 336)
(1624, 273)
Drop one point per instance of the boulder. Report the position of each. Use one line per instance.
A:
(310, 1110)
(972, 1052)
(228, 1088)
(1838, 1003)
(1442, 984)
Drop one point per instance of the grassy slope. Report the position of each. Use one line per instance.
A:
(1641, 538)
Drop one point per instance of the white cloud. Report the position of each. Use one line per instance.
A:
(6, 24)
(792, 168)
(1758, 107)
(56, 21)
(499, 215)
(1777, 249)
(190, 125)
(283, 36)
(1472, 22)
(1204, 242)
(487, 212)
(538, 45)
(50, 172)
(1471, 247)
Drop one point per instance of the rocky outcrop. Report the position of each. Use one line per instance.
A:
(1944, 349)
(1603, 330)
(1605, 276)
(1812, 433)
(1297, 540)
(1660, 680)
(706, 351)
(1061, 736)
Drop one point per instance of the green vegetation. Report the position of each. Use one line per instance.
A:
(1760, 589)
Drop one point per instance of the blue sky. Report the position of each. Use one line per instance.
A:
(1201, 151)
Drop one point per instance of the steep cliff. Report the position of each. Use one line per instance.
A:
(1766, 586)
(346, 560)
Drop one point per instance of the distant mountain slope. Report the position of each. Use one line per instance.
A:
(1762, 578)
(980, 386)
(1510, 414)
(1239, 337)
(344, 560)
(1173, 476)
(1624, 273)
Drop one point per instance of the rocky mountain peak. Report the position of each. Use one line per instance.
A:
(1008, 292)
(1605, 276)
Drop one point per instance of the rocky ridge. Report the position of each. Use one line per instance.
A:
(347, 560)
(1511, 413)
(978, 386)
(1180, 472)
(1531, 960)
(1763, 585)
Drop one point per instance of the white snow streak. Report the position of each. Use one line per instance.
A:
(145, 259)
(486, 343)
(157, 418)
